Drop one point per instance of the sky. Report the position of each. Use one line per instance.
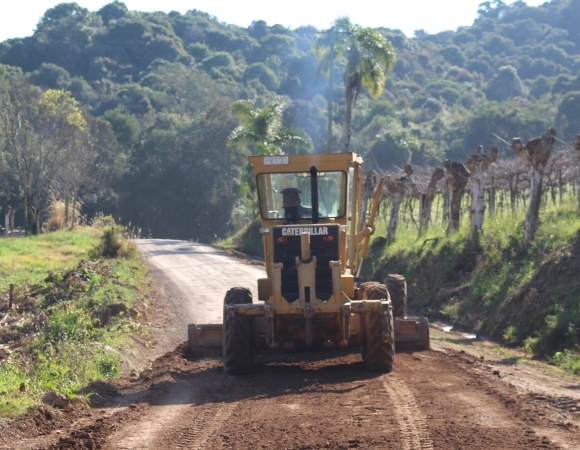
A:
(18, 18)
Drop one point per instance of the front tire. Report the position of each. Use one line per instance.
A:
(397, 287)
(237, 335)
(378, 353)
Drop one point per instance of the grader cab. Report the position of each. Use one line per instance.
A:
(311, 297)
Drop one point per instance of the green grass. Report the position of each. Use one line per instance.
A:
(247, 240)
(30, 259)
(73, 349)
(527, 298)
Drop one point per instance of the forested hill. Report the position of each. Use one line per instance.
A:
(156, 92)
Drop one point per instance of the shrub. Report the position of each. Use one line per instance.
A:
(112, 243)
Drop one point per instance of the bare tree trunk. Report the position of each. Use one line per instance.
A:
(445, 211)
(457, 176)
(26, 206)
(491, 191)
(398, 188)
(536, 153)
(352, 83)
(514, 192)
(369, 186)
(560, 186)
(329, 101)
(427, 200)
(74, 201)
(577, 148)
(396, 199)
(477, 165)
(66, 211)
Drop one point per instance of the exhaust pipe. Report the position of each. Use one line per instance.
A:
(314, 193)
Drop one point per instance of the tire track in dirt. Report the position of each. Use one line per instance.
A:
(195, 433)
(412, 425)
(179, 421)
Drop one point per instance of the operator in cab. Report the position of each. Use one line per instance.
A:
(293, 208)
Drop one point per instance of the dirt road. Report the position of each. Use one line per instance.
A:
(439, 399)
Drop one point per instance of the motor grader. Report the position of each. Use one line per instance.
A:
(311, 297)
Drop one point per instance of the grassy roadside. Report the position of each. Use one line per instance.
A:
(53, 338)
(247, 240)
(28, 260)
(527, 299)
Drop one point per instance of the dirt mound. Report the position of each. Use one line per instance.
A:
(41, 421)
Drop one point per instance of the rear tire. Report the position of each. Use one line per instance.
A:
(397, 287)
(238, 335)
(378, 354)
(423, 343)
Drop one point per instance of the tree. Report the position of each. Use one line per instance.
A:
(535, 154)
(568, 113)
(505, 85)
(369, 59)
(398, 188)
(427, 198)
(457, 177)
(64, 32)
(262, 129)
(41, 131)
(113, 11)
(477, 165)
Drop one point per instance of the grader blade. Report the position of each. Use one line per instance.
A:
(412, 333)
(205, 338)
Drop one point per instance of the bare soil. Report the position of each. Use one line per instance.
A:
(445, 398)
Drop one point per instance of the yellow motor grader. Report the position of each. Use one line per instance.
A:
(310, 208)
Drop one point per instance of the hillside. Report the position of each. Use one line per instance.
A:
(157, 88)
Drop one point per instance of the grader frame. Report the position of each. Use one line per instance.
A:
(311, 297)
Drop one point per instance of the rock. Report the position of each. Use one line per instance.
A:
(54, 398)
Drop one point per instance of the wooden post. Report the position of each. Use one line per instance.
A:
(11, 297)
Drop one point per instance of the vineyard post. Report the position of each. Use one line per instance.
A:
(536, 153)
(369, 186)
(397, 189)
(427, 199)
(477, 165)
(457, 176)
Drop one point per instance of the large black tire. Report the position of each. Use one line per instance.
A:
(238, 335)
(374, 288)
(378, 355)
(397, 287)
(424, 340)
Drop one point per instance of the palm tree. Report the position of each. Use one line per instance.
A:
(261, 129)
(369, 59)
